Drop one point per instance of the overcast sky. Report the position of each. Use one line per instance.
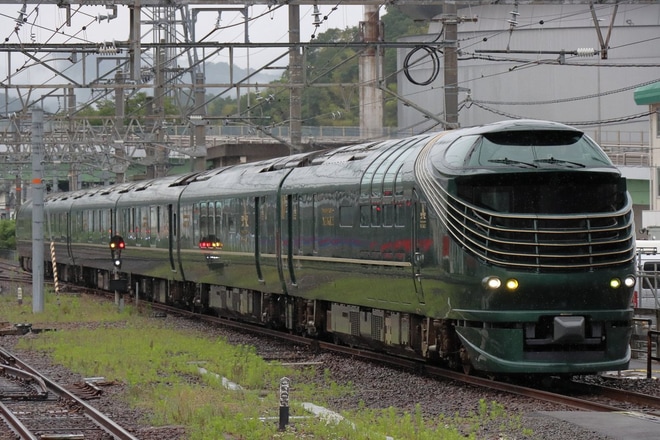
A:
(47, 24)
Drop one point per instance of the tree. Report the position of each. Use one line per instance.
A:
(135, 107)
(7, 234)
(324, 104)
(330, 95)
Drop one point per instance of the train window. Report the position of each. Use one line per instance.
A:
(368, 180)
(86, 221)
(537, 148)
(186, 227)
(346, 216)
(203, 222)
(146, 223)
(132, 225)
(388, 215)
(375, 215)
(392, 175)
(457, 152)
(161, 222)
(365, 215)
(398, 184)
(231, 223)
(218, 219)
(399, 215)
(308, 224)
(154, 225)
(139, 230)
(140, 223)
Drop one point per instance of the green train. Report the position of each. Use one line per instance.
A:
(504, 248)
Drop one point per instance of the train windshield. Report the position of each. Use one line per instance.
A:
(528, 149)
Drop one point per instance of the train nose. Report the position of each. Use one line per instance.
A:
(569, 329)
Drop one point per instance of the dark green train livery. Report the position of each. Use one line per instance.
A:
(504, 248)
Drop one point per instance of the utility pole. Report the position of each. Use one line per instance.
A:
(199, 156)
(371, 67)
(295, 78)
(37, 210)
(450, 20)
(120, 113)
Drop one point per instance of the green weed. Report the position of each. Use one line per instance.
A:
(161, 368)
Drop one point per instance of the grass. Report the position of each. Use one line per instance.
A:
(161, 368)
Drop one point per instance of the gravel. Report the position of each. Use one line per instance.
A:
(376, 387)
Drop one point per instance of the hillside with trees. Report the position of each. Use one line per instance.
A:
(330, 96)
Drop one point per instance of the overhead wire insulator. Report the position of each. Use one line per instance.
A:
(108, 48)
(586, 52)
(317, 16)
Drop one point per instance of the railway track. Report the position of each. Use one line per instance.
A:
(569, 394)
(33, 407)
(575, 395)
(10, 272)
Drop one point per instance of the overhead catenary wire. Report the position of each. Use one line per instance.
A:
(599, 122)
(560, 16)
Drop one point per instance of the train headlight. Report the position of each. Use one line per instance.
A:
(492, 283)
(512, 284)
(615, 283)
(629, 281)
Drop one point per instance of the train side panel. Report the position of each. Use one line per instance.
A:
(506, 248)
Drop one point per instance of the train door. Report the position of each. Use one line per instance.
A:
(172, 220)
(267, 242)
(291, 235)
(418, 230)
(260, 219)
(68, 229)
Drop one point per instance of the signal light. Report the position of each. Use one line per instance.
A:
(116, 242)
(116, 246)
(210, 244)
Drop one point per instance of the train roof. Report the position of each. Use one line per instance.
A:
(518, 146)
(352, 164)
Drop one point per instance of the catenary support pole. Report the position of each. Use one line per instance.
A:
(37, 211)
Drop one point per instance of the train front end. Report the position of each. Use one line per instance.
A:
(538, 244)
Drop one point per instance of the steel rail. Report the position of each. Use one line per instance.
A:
(26, 376)
(412, 364)
(15, 424)
(89, 411)
(619, 395)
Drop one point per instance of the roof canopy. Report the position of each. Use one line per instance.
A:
(649, 94)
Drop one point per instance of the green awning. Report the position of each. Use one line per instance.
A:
(647, 95)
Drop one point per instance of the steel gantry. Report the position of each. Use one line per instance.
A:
(165, 56)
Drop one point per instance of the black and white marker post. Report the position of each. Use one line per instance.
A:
(284, 402)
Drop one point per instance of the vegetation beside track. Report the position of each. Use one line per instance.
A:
(160, 367)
